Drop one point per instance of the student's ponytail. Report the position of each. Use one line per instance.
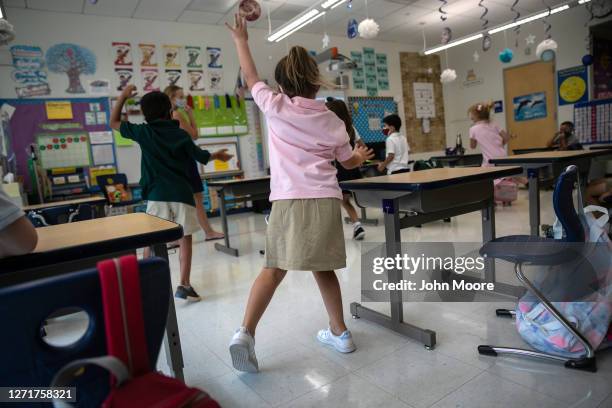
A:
(298, 74)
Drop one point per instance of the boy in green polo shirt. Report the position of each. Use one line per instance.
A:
(165, 183)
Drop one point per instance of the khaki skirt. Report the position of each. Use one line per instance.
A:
(305, 235)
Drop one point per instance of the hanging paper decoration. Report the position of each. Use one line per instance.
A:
(546, 50)
(546, 22)
(368, 29)
(7, 32)
(448, 75)
(349, 5)
(352, 28)
(447, 35)
(486, 39)
(325, 41)
(587, 59)
(517, 15)
(249, 9)
(476, 56)
(443, 13)
(506, 55)
(486, 42)
(529, 40)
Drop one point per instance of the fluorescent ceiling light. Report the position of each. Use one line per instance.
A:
(330, 3)
(452, 44)
(290, 27)
(300, 26)
(344, 1)
(583, 1)
(529, 19)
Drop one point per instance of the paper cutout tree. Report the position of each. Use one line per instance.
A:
(73, 60)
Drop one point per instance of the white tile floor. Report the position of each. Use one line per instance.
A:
(387, 370)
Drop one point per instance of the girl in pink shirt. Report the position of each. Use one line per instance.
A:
(491, 138)
(305, 226)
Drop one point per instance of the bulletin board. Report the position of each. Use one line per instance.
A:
(593, 121)
(217, 166)
(368, 113)
(85, 117)
(220, 115)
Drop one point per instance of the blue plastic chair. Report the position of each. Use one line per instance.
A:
(529, 250)
(28, 361)
(60, 215)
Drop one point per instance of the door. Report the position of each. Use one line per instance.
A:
(531, 104)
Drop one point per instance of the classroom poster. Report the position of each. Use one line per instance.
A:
(381, 60)
(573, 85)
(194, 57)
(58, 110)
(369, 56)
(196, 80)
(602, 74)
(215, 77)
(172, 56)
(124, 77)
(357, 57)
(29, 74)
(358, 83)
(214, 57)
(148, 55)
(99, 87)
(383, 84)
(173, 77)
(122, 52)
(529, 107)
(150, 79)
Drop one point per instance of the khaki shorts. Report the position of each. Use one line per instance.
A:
(305, 235)
(180, 213)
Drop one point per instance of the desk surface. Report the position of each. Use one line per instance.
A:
(548, 157)
(457, 157)
(606, 147)
(86, 200)
(429, 179)
(86, 239)
(222, 183)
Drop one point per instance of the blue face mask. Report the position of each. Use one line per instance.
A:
(180, 103)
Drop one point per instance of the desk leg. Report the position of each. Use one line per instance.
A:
(172, 339)
(396, 321)
(488, 234)
(222, 210)
(534, 201)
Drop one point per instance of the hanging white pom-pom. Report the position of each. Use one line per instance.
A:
(546, 50)
(7, 32)
(448, 75)
(368, 29)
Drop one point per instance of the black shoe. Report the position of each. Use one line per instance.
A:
(358, 233)
(187, 293)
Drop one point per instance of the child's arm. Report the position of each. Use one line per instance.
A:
(188, 127)
(360, 154)
(473, 143)
(383, 164)
(204, 156)
(505, 136)
(115, 119)
(241, 39)
(18, 238)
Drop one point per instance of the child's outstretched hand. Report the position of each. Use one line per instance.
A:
(239, 30)
(365, 152)
(222, 155)
(129, 92)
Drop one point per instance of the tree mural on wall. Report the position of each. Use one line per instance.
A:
(72, 60)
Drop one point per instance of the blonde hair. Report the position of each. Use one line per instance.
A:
(298, 74)
(481, 110)
(172, 90)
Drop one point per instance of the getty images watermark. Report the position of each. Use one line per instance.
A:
(467, 272)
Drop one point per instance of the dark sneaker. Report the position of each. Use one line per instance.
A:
(187, 293)
(358, 233)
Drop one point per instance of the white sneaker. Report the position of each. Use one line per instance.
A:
(242, 350)
(342, 343)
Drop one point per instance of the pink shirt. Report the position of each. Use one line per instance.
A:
(491, 143)
(304, 138)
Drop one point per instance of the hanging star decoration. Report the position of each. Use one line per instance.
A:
(325, 41)
(476, 56)
(530, 39)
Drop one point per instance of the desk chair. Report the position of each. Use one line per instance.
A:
(61, 215)
(524, 249)
(28, 361)
(114, 179)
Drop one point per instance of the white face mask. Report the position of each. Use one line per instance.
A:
(180, 103)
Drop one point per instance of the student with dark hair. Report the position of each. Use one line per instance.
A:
(565, 139)
(164, 179)
(396, 145)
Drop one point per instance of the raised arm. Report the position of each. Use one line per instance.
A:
(505, 136)
(360, 154)
(187, 125)
(241, 39)
(115, 119)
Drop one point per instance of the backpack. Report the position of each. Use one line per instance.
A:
(133, 383)
(426, 165)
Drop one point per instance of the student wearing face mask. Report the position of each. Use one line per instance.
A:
(183, 113)
(396, 147)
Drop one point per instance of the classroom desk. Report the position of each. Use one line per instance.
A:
(464, 160)
(242, 190)
(96, 201)
(432, 194)
(71, 247)
(556, 161)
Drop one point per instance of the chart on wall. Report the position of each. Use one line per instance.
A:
(593, 121)
(368, 113)
(218, 166)
(372, 73)
(64, 150)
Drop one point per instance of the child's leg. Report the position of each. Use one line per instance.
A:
(185, 251)
(332, 297)
(146, 253)
(348, 207)
(261, 293)
(203, 218)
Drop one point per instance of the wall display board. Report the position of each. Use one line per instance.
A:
(218, 166)
(220, 115)
(593, 121)
(368, 113)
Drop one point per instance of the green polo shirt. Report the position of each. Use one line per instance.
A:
(165, 150)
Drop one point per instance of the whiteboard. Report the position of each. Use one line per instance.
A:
(217, 166)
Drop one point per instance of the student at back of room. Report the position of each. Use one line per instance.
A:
(305, 228)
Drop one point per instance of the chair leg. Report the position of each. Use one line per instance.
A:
(505, 313)
(586, 363)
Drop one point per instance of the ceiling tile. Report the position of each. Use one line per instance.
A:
(200, 17)
(160, 9)
(114, 8)
(408, 16)
(212, 6)
(14, 3)
(377, 9)
(66, 6)
(287, 11)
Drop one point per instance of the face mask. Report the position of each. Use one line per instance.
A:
(180, 103)
(386, 131)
